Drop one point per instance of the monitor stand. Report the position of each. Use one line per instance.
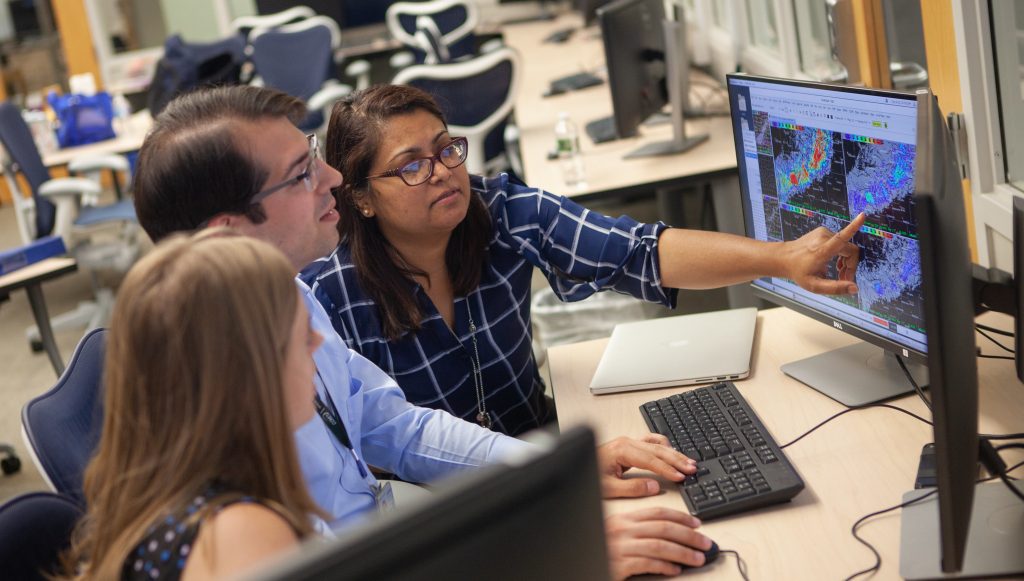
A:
(677, 63)
(857, 375)
(994, 540)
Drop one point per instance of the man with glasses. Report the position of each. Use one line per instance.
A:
(233, 157)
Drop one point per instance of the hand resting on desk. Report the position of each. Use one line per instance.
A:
(651, 452)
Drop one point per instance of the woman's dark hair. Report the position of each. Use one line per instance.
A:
(353, 138)
(191, 166)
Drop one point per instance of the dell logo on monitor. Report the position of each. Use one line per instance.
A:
(837, 325)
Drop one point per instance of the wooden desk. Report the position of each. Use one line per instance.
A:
(606, 170)
(129, 140)
(31, 278)
(711, 165)
(857, 464)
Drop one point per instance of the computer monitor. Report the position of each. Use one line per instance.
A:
(588, 10)
(971, 529)
(536, 518)
(814, 154)
(647, 68)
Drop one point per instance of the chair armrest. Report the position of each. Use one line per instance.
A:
(68, 187)
(327, 95)
(491, 45)
(401, 60)
(360, 71)
(88, 163)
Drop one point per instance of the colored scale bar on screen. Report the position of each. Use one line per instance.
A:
(876, 232)
(798, 210)
(862, 139)
(792, 126)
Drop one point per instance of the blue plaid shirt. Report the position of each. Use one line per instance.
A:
(579, 251)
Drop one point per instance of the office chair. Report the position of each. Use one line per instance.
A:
(299, 59)
(68, 207)
(35, 528)
(62, 427)
(244, 25)
(435, 32)
(477, 98)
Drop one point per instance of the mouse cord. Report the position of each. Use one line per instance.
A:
(878, 558)
(740, 563)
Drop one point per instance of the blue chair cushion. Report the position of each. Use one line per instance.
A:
(119, 211)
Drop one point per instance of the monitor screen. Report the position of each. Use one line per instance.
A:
(815, 155)
(536, 518)
(634, 50)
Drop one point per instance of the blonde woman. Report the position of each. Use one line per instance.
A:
(208, 372)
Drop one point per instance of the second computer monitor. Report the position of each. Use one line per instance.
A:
(634, 49)
(813, 155)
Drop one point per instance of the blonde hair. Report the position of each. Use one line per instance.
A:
(194, 394)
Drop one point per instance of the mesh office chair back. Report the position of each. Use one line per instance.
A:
(295, 62)
(62, 427)
(25, 159)
(455, 20)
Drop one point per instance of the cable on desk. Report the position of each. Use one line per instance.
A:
(910, 378)
(861, 520)
(740, 563)
(984, 356)
(982, 332)
(1004, 476)
(1017, 436)
(994, 330)
(853, 409)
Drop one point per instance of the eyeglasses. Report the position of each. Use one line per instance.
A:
(310, 177)
(418, 171)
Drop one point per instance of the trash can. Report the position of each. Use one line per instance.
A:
(556, 322)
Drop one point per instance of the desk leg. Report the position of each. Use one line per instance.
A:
(38, 303)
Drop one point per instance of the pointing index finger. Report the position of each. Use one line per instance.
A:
(845, 235)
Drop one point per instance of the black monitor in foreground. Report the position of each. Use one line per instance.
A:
(539, 518)
(813, 154)
(648, 68)
(971, 529)
(588, 10)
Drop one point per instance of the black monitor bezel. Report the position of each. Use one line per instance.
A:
(883, 342)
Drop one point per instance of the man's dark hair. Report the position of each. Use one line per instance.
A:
(191, 166)
(353, 138)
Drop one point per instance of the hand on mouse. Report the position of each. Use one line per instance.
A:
(653, 540)
(652, 452)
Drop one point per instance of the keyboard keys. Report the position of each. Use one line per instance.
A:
(739, 464)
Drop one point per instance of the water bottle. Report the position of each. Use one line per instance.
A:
(567, 145)
(122, 113)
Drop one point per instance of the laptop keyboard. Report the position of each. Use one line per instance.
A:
(739, 465)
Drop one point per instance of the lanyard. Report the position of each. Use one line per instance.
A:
(331, 417)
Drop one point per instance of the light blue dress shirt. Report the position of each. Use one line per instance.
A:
(417, 444)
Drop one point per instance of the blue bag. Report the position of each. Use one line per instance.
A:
(82, 119)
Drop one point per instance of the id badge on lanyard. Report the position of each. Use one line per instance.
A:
(383, 496)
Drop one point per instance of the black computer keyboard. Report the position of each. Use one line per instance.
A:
(601, 130)
(573, 82)
(740, 466)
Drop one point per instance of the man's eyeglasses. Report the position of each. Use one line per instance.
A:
(418, 171)
(310, 177)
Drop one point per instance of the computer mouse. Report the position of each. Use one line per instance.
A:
(709, 556)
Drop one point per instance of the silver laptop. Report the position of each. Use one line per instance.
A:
(673, 351)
